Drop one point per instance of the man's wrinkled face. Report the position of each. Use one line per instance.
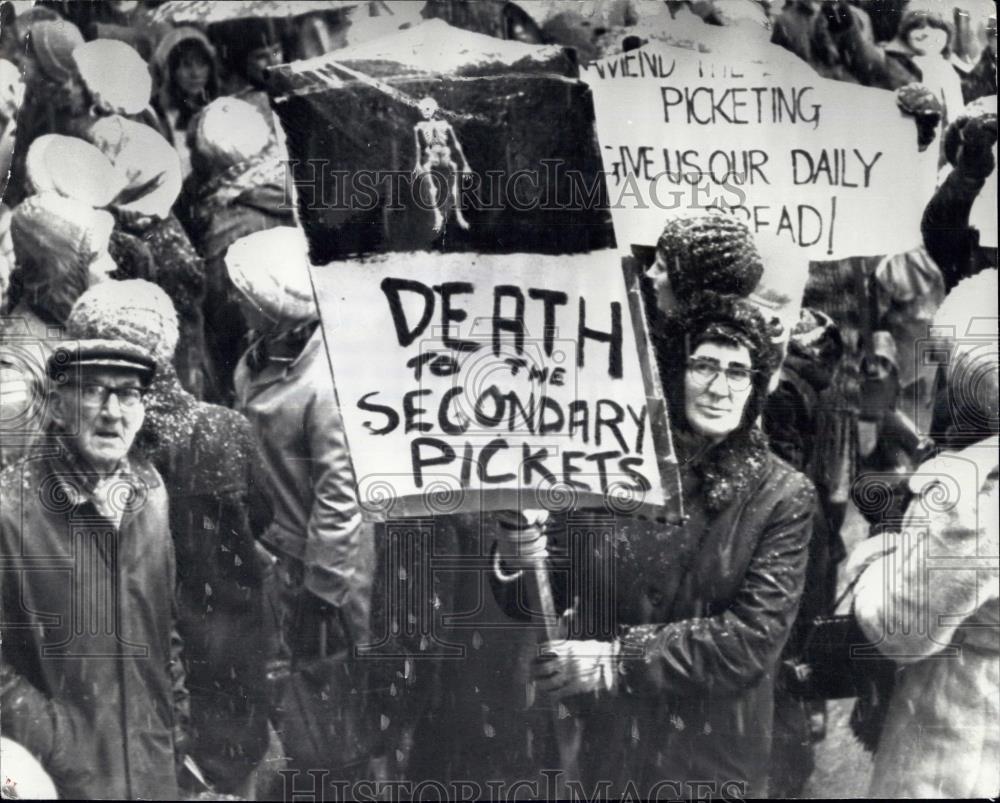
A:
(104, 411)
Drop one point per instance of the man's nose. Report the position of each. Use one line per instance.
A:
(112, 406)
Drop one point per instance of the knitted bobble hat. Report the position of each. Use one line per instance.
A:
(713, 252)
(134, 310)
(708, 314)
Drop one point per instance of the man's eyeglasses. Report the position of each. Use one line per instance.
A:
(96, 396)
(704, 371)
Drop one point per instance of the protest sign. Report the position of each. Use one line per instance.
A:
(402, 144)
(478, 382)
(816, 167)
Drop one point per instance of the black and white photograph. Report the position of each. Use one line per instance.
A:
(499, 400)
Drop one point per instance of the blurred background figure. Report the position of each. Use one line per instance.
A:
(323, 550)
(981, 81)
(188, 79)
(249, 47)
(145, 218)
(237, 187)
(929, 595)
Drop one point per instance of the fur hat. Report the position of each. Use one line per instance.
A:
(714, 251)
(73, 168)
(149, 164)
(116, 76)
(52, 43)
(271, 269)
(133, 310)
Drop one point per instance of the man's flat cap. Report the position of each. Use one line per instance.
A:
(75, 356)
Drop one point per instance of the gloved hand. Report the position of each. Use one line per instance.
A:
(566, 668)
(978, 137)
(924, 106)
(520, 534)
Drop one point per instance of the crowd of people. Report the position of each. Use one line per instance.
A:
(186, 574)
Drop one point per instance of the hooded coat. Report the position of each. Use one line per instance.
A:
(99, 708)
(173, 118)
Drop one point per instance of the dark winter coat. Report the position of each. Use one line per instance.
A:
(705, 610)
(952, 243)
(702, 611)
(91, 680)
(210, 465)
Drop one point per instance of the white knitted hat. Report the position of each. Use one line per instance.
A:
(149, 164)
(229, 131)
(115, 74)
(73, 168)
(133, 310)
(271, 268)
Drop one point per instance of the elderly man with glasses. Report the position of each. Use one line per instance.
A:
(90, 679)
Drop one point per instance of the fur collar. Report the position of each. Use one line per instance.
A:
(727, 471)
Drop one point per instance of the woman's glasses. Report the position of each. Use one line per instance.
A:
(704, 370)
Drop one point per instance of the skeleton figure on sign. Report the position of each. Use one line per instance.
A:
(436, 143)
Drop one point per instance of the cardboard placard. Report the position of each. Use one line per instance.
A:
(819, 169)
(478, 382)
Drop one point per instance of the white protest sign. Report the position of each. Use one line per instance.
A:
(819, 169)
(476, 382)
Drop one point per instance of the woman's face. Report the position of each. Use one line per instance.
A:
(193, 72)
(712, 406)
(928, 40)
(660, 282)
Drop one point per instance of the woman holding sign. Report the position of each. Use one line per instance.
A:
(679, 695)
